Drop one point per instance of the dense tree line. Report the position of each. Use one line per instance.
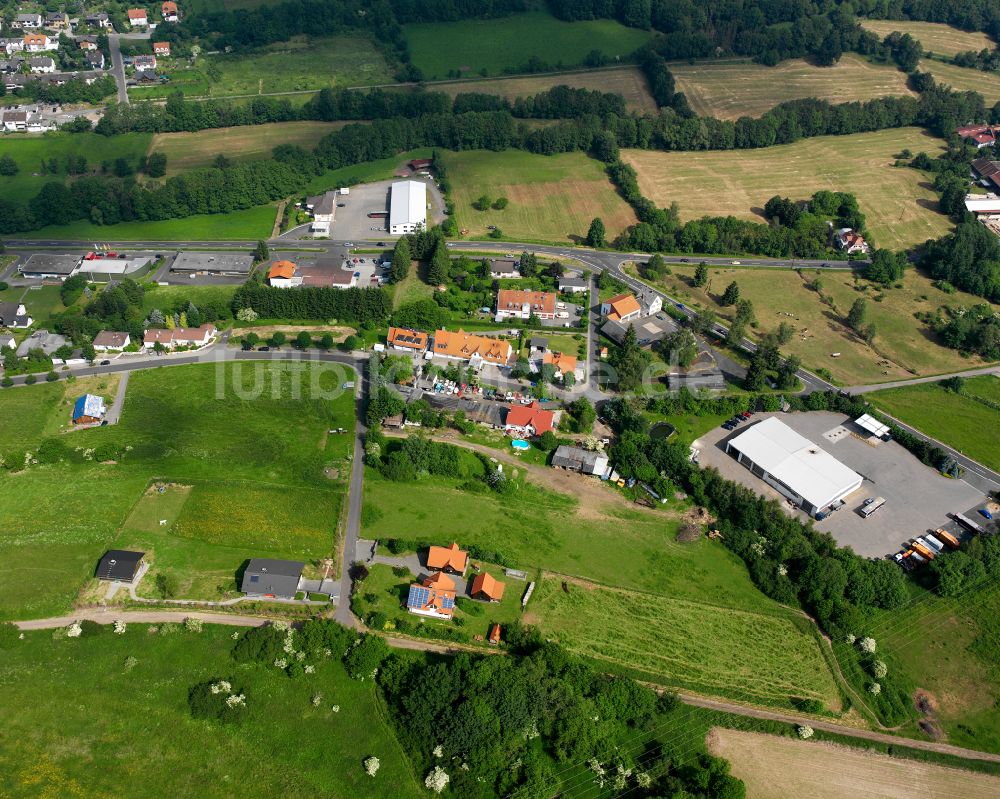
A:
(975, 329)
(968, 259)
(355, 304)
(969, 15)
(76, 90)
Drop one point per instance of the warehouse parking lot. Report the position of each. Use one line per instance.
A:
(918, 499)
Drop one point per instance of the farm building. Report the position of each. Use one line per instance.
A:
(269, 578)
(234, 264)
(987, 172)
(450, 559)
(800, 470)
(519, 304)
(89, 409)
(120, 565)
(477, 350)
(419, 163)
(435, 596)
(401, 338)
(528, 420)
(407, 207)
(577, 459)
(622, 308)
(979, 135)
(983, 204)
(494, 636)
(485, 587)
(111, 340)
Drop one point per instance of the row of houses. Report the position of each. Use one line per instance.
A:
(16, 80)
(435, 595)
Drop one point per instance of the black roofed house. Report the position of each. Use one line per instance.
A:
(272, 579)
(504, 268)
(120, 565)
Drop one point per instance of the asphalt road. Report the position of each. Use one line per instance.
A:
(118, 67)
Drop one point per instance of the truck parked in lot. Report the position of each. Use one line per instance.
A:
(921, 548)
(967, 523)
(947, 537)
(870, 505)
(934, 544)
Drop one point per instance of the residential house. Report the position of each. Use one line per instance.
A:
(144, 62)
(119, 565)
(41, 340)
(111, 340)
(486, 588)
(563, 364)
(282, 275)
(89, 409)
(537, 345)
(41, 64)
(272, 579)
(179, 337)
(521, 304)
(450, 559)
(850, 241)
(11, 46)
(504, 268)
(576, 459)
(528, 420)
(648, 330)
(324, 210)
(27, 22)
(979, 135)
(161, 48)
(39, 43)
(339, 279)
(98, 20)
(137, 18)
(621, 308)
(87, 42)
(573, 285)
(57, 21)
(95, 59)
(6, 341)
(14, 315)
(651, 304)
(406, 340)
(477, 350)
(169, 11)
(434, 597)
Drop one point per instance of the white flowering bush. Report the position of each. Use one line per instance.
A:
(217, 700)
(372, 765)
(235, 636)
(281, 663)
(335, 708)
(236, 700)
(850, 638)
(867, 645)
(316, 699)
(74, 630)
(309, 668)
(120, 627)
(804, 731)
(438, 751)
(874, 689)
(221, 687)
(643, 780)
(246, 315)
(437, 779)
(783, 570)
(192, 625)
(131, 662)
(531, 731)
(879, 669)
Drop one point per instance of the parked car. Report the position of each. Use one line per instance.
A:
(263, 349)
(746, 414)
(105, 363)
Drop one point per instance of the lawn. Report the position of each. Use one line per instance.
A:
(411, 289)
(629, 82)
(251, 439)
(30, 150)
(968, 426)
(551, 197)
(250, 223)
(190, 81)
(366, 172)
(935, 37)
(168, 298)
(899, 203)
(194, 150)
(489, 46)
(903, 345)
(148, 744)
(964, 79)
(731, 89)
(765, 657)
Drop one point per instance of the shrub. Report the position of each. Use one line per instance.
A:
(52, 377)
(9, 634)
(217, 700)
(31, 380)
(371, 765)
(365, 658)
(166, 584)
(377, 620)
(804, 731)
(259, 645)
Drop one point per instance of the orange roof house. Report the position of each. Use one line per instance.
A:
(137, 16)
(621, 308)
(169, 10)
(451, 559)
(467, 347)
(520, 304)
(402, 338)
(494, 636)
(485, 587)
(435, 596)
(161, 48)
(564, 364)
(281, 271)
(531, 420)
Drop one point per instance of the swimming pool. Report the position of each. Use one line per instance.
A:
(520, 443)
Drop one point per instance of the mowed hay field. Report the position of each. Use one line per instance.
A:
(764, 657)
(964, 79)
(551, 197)
(899, 203)
(731, 89)
(903, 346)
(935, 37)
(773, 767)
(194, 150)
(629, 82)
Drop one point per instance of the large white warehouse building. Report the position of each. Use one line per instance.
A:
(407, 207)
(800, 470)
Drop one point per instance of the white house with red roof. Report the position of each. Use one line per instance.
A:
(850, 241)
(179, 337)
(529, 420)
(137, 18)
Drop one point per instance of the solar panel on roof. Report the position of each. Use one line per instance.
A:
(447, 602)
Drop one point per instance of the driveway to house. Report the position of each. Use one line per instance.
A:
(114, 414)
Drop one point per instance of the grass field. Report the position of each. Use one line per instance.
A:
(960, 421)
(256, 460)
(166, 298)
(964, 79)
(935, 37)
(731, 89)
(899, 203)
(700, 646)
(773, 767)
(626, 81)
(29, 151)
(194, 150)
(785, 296)
(149, 746)
(250, 223)
(489, 46)
(551, 197)
(411, 289)
(365, 172)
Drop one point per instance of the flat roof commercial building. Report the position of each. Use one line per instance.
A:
(407, 207)
(50, 267)
(793, 465)
(216, 263)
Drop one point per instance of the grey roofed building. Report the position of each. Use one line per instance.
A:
(221, 263)
(41, 265)
(325, 205)
(572, 284)
(580, 460)
(648, 330)
(708, 380)
(41, 340)
(538, 343)
(95, 59)
(272, 578)
(119, 564)
(14, 314)
(504, 266)
(6, 341)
